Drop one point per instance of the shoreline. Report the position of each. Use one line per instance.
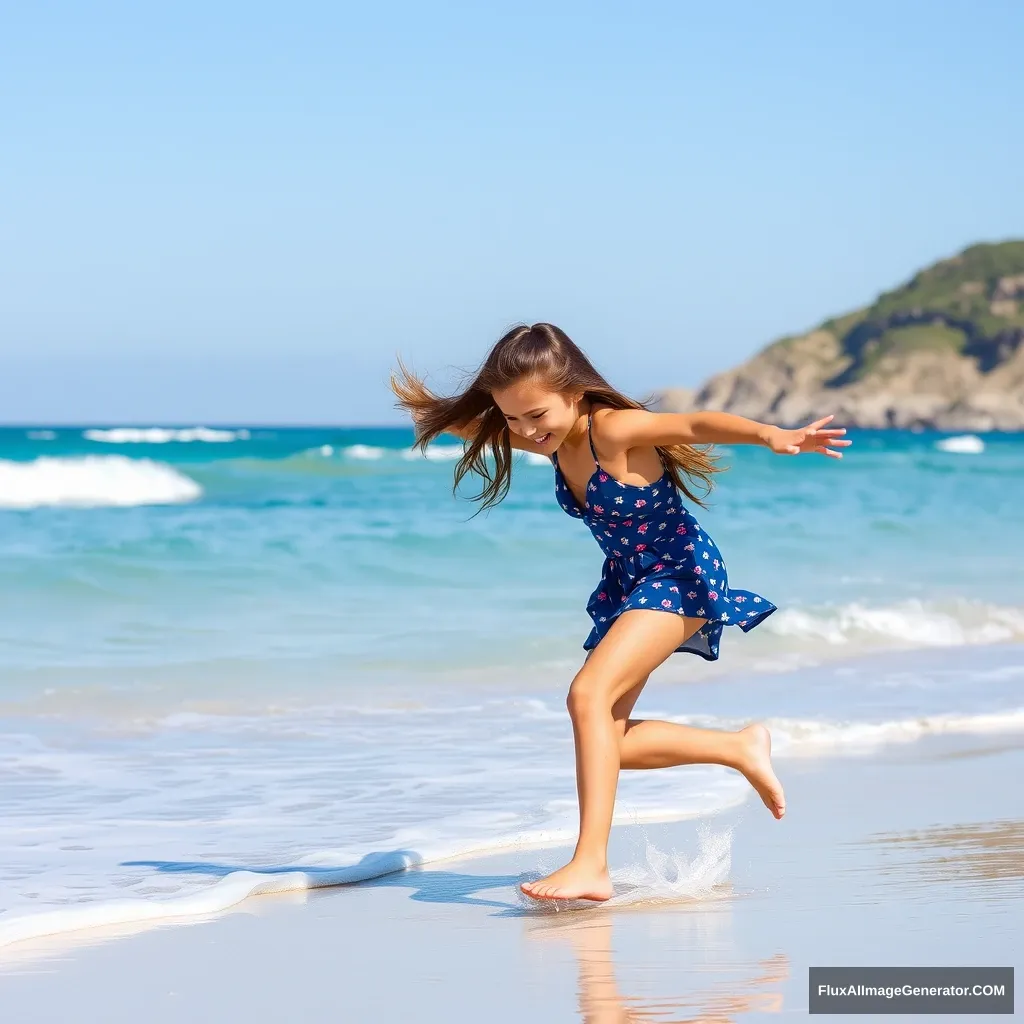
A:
(915, 855)
(836, 731)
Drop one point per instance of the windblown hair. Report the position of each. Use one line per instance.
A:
(546, 354)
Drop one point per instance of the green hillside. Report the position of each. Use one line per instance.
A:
(972, 303)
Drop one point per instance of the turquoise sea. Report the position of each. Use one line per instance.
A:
(294, 651)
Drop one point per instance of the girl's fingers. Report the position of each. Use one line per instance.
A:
(822, 422)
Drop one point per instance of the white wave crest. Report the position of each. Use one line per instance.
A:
(164, 435)
(911, 622)
(437, 452)
(963, 444)
(363, 451)
(803, 738)
(446, 452)
(92, 481)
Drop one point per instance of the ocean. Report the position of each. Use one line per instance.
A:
(245, 658)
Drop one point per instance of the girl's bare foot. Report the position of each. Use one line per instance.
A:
(756, 766)
(576, 881)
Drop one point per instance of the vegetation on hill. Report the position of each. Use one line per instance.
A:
(945, 349)
(972, 303)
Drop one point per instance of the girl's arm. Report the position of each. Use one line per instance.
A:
(629, 428)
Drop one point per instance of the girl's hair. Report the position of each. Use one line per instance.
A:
(545, 353)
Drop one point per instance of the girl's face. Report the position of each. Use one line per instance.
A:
(533, 411)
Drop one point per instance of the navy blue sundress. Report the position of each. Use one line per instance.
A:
(658, 558)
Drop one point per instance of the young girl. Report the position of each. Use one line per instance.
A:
(664, 586)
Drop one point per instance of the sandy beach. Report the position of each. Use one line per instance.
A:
(367, 371)
(910, 855)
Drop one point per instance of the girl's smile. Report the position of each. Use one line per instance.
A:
(541, 417)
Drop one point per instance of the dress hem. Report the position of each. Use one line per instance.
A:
(717, 626)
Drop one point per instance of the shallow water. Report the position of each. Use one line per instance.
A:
(293, 648)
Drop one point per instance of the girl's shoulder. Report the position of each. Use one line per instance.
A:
(599, 415)
(616, 446)
(599, 426)
(609, 429)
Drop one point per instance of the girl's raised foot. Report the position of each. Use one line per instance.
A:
(576, 881)
(756, 766)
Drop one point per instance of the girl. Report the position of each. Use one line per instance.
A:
(620, 469)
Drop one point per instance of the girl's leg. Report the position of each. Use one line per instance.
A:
(636, 644)
(651, 744)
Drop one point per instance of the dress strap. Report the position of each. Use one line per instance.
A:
(593, 450)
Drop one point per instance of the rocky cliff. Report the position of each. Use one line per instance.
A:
(945, 350)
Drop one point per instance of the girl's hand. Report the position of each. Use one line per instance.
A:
(811, 438)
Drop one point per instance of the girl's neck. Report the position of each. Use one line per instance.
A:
(577, 436)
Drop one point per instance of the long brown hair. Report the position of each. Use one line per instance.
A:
(543, 352)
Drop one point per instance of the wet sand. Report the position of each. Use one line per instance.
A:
(912, 855)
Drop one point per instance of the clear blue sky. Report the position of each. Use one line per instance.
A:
(218, 212)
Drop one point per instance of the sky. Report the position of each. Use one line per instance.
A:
(226, 212)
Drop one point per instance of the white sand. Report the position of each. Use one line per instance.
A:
(914, 855)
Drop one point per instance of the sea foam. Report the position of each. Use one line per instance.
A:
(92, 481)
(363, 451)
(663, 876)
(164, 435)
(324, 870)
(811, 738)
(913, 623)
(436, 453)
(963, 444)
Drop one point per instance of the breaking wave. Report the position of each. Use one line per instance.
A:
(92, 481)
(164, 435)
(963, 444)
(912, 623)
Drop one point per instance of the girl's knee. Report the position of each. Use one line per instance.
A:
(583, 697)
(576, 700)
(589, 694)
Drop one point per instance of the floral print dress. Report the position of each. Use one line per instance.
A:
(658, 558)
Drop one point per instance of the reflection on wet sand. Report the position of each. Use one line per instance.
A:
(752, 987)
(991, 853)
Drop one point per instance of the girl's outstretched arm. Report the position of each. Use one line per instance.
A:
(630, 428)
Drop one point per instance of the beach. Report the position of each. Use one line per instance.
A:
(282, 728)
(910, 856)
(369, 374)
